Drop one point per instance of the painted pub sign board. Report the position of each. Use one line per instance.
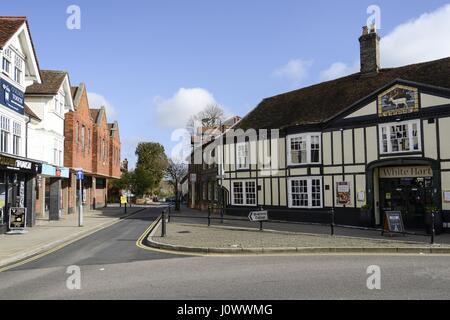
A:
(398, 100)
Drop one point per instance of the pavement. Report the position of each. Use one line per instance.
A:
(112, 267)
(49, 235)
(421, 236)
(192, 238)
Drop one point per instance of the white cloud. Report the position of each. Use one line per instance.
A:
(97, 101)
(337, 70)
(295, 70)
(174, 112)
(418, 40)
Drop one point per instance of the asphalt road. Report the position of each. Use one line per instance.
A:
(113, 267)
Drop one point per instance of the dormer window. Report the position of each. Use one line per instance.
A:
(304, 149)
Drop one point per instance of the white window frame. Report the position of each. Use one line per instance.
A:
(5, 126)
(17, 139)
(239, 165)
(308, 137)
(410, 136)
(309, 187)
(244, 193)
(7, 55)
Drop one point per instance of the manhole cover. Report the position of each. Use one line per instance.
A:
(184, 232)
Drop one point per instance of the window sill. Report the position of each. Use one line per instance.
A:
(305, 208)
(401, 153)
(303, 165)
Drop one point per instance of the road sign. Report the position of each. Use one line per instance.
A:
(256, 216)
(123, 199)
(80, 175)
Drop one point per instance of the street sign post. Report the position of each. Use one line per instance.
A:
(259, 216)
(80, 178)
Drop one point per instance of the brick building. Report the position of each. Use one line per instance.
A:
(92, 145)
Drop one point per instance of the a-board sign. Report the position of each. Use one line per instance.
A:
(256, 216)
(394, 222)
(17, 218)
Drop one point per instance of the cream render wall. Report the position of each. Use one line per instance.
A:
(337, 147)
(444, 131)
(367, 110)
(428, 100)
(430, 140)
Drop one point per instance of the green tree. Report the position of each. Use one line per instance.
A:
(150, 167)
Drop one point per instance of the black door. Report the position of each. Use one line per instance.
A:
(410, 196)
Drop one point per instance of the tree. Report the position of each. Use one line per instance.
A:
(175, 172)
(150, 167)
(210, 116)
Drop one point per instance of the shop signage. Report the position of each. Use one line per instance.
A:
(393, 222)
(11, 97)
(17, 218)
(406, 172)
(15, 164)
(343, 192)
(398, 100)
(52, 171)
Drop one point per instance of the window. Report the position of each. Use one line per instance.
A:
(17, 136)
(61, 157)
(7, 58)
(400, 137)
(89, 139)
(4, 135)
(55, 152)
(18, 68)
(242, 153)
(83, 145)
(304, 149)
(244, 193)
(305, 193)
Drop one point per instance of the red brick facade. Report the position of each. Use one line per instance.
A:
(88, 143)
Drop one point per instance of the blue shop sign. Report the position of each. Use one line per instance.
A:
(52, 171)
(11, 97)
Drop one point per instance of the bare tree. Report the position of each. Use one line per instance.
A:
(175, 173)
(211, 116)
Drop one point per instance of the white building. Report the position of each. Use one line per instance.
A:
(48, 103)
(19, 69)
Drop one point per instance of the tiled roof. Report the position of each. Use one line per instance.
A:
(51, 83)
(318, 103)
(8, 27)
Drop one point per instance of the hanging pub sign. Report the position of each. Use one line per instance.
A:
(11, 97)
(398, 100)
(17, 218)
(343, 193)
(393, 222)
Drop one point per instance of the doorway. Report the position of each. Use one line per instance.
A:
(410, 196)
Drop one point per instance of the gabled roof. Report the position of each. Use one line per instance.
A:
(77, 93)
(8, 28)
(94, 114)
(30, 113)
(318, 103)
(51, 83)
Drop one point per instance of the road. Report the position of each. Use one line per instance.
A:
(113, 267)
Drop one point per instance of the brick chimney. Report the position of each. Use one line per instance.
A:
(370, 51)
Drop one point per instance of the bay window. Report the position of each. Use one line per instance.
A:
(244, 193)
(304, 149)
(305, 192)
(400, 137)
(6, 63)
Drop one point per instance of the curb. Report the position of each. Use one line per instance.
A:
(149, 242)
(59, 244)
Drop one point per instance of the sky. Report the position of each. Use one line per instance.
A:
(155, 63)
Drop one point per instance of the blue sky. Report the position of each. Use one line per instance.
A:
(154, 62)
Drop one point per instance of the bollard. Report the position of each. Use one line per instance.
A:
(260, 226)
(209, 216)
(163, 224)
(125, 208)
(433, 229)
(332, 221)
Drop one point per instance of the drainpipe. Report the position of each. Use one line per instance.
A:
(26, 136)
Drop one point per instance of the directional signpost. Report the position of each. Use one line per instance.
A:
(80, 178)
(259, 216)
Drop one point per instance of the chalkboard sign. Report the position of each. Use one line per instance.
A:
(393, 222)
(17, 218)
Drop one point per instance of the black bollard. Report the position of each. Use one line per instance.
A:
(433, 228)
(163, 224)
(332, 221)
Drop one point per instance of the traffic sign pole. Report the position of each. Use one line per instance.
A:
(80, 209)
